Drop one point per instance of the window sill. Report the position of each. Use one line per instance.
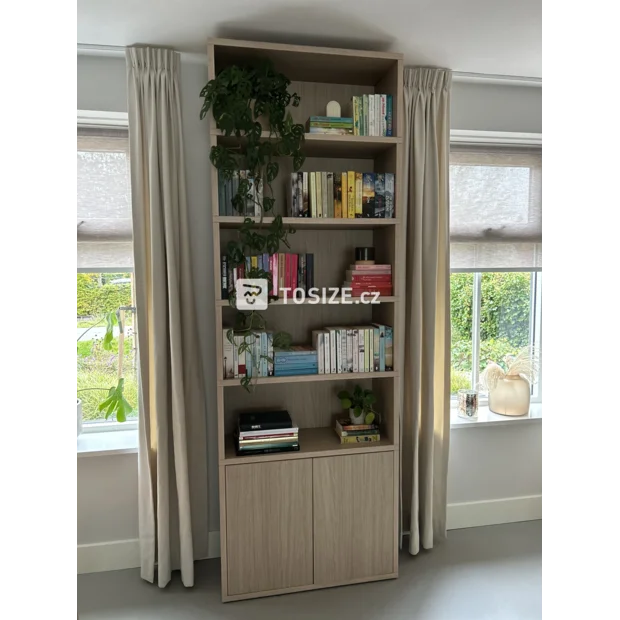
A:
(107, 443)
(488, 418)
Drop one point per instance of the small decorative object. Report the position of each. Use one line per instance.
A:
(509, 390)
(333, 109)
(468, 404)
(359, 404)
(364, 256)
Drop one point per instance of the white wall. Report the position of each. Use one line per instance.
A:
(485, 464)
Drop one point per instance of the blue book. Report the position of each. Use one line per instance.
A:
(263, 352)
(296, 372)
(388, 114)
(389, 348)
(294, 363)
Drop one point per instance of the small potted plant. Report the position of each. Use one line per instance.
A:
(360, 405)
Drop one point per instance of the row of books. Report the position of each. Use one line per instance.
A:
(369, 278)
(254, 361)
(341, 194)
(372, 115)
(298, 360)
(335, 125)
(356, 433)
(286, 270)
(266, 432)
(227, 189)
(358, 348)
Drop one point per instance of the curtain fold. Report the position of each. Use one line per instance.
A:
(426, 398)
(172, 446)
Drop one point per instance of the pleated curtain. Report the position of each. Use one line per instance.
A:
(172, 446)
(426, 398)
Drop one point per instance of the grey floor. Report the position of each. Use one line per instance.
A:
(479, 573)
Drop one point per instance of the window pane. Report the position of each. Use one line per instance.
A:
(504, 316)
(461, 312)
(97, 368)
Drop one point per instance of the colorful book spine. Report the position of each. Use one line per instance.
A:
(319, 195)
(371, 115)
(270, 354)
(300, 194)
(292, 195)
(356, 115)
(383, 115)
(389, 195)
(351, 194)
(324, 194)
(389, 348)
(368, 194)
(379, 210)
(344, 426)
(313, 194)
(360, 439)
(365, 114)
(343, 194)
(337, 194)
(358, 195)
(309, 271)
(356, 348)
(305, 210)
(224, 276)
(349, 350)
(376, 349)
(377, 115)
(388, 114)
(361, 350)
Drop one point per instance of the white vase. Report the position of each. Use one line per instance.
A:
(511, 396)
(356, 419)
(79, 416)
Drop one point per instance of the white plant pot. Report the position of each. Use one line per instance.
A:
(356, 419)
(511, 396)
(79, 416)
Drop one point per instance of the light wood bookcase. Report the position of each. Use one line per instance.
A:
(328, 514)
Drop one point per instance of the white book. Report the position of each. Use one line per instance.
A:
(371, 353)
(326, 352)
(313, 194)
(360, 352)
(371, 115)
(356, 350)
(270, 431)
(229, 356)
(333, 357)
(349, 350)
(384, 115)
(318, 344)
(377, 115)
(366, 350)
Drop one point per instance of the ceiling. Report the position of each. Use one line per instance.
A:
(502, 37)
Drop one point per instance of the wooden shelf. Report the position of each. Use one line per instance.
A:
(328, 145)
(223, 303)
(310, 223)
(347, 376)
(313, 442)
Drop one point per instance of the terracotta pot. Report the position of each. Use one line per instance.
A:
(511, 396)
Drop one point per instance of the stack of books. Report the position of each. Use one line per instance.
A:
(336, 125)
(286, 270)
(356, 433)
(372, 115)
(264, 432)
(227, 189)
(254, 362)
(363, 348)
(348, 194)
(369, 279)
(298, 360)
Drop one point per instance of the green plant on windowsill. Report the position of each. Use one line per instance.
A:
(239, 97)
(115, 402)
(360, 405)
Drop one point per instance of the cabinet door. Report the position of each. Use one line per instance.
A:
(269, 525)
(353, 517)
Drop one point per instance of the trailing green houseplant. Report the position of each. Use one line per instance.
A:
(239, 97)
(360, 405)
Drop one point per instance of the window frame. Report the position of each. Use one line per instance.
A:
(103, 119)
(502, 138)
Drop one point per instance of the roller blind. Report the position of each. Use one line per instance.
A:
(104, 226)
(495, 208)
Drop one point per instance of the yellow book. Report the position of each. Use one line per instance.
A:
(359, 438)
(358, 194)
(344, 195)
(254, 263)
(351, 193)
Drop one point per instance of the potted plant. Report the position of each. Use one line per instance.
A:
(509, 387)
(360, 405)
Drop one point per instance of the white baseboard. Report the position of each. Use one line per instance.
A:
(121, 554)
(494, 511)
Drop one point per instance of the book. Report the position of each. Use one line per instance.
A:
(351, 193)
(235, 189)
(389, 348)
(264, 420)
(240, 367)
(319, 195)
(305, 206)
(267, 433)
(229, 354)
(358, 194)
(371, 277)
(379, 210)
(383, 115)
(319, 344)
(292, 195)
(332, 349)
(313, 194)
(331, 119)
(263, 354)
(355, 352)
(258, 197)
(244, 207)
(270, 354)
(360, 438)
(365, 114)
(349, 333)
(388, 114)
(300, 194)
(296, 349)
(368, 194)
(371, 431)
(221, 197)
(343, 194)
(375, 349)
(344, 425)
(324, 194)
(337, 194)
(381, 330)
(389, 195)
(371, 268)
(371, 115)
(281, 272)
(377, 115)
(309, 271)
(273, 439)
(296, 371)
(356, 115)
(330, 194)
(267, 449)
(326, 351)
(224, 276)
(336, 131)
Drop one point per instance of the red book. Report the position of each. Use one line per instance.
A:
(370, 267)
(287, 277)
(372, 279)
(294, 268)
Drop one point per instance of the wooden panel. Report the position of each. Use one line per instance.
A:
(353, 517)
(310, 64)
(269, 526)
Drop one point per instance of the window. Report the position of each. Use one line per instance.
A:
(496, 258)
(105, 272)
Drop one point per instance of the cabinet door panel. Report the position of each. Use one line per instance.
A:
(353, 517)
(269, 525)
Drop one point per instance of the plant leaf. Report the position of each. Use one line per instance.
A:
(346, 403)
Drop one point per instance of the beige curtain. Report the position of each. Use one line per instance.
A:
(426, 406)
(172, 454)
